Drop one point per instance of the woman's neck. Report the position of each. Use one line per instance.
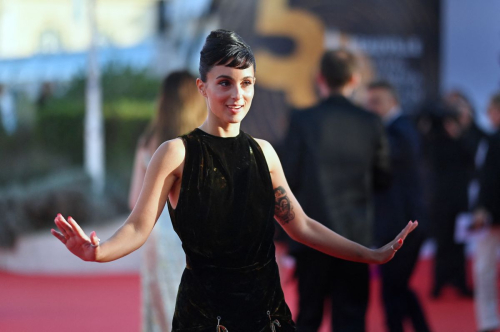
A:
(216, 129)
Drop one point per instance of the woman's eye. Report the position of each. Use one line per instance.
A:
(247, 83)
(224, 83)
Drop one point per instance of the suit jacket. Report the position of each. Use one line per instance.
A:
(452, 164)
(489, 196)
(403, 200)
(334, 156)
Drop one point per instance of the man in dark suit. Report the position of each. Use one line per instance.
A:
(452, 145)
(488, 213)
(403, 201)
(338, 155)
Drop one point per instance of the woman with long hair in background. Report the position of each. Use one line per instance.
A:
(180, 109)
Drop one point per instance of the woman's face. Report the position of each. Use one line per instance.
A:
(228, 92)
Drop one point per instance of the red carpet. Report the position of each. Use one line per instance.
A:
(69, 304)
(450, 313)
(83, 304)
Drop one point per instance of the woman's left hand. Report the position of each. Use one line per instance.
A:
(387, 252)
(75, 239)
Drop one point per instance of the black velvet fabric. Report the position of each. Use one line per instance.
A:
(224, 218)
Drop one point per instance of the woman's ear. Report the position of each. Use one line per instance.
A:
(201, 87)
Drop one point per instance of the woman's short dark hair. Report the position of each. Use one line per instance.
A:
(224, 47)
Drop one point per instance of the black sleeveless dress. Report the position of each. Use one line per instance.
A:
(224, 218)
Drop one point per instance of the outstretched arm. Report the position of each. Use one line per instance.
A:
(138, 174)
(305, 230)
(163, 171)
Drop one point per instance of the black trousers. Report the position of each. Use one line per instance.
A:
(450, 263)
(345, 283)
(400, 302)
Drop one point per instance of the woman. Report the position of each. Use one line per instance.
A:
(219, 182)
(180, 109)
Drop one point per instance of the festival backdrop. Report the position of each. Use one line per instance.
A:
(396, 40)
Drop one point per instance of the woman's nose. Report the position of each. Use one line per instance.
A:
(237, 93)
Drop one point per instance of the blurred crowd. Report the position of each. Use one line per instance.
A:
(434, 164)
(365, 182)
(464, 194)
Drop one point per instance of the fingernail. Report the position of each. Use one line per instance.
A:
(59, 215)
(70, 217)
(400, 241)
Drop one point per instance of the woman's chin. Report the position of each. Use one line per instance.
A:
(237, 118)
(234, 121)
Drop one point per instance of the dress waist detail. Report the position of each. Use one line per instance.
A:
(196, 266)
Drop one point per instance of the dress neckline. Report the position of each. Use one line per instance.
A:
(218, 137)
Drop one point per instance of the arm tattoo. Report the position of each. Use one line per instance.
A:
(283, 209)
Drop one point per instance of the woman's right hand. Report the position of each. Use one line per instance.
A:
(73, 237)
(163, 171)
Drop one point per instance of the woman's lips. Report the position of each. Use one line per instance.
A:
(235, 109)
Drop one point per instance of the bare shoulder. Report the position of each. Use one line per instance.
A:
(266, 147)
(269, 153)
(172, 148)
(170, 154)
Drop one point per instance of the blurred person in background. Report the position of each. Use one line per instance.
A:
(473, 135)
(44, 95)
(223, 189)
(8, 112)
(487, 218)
(335, 155)
(180, 109)
(402, 201)
(451, 141)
